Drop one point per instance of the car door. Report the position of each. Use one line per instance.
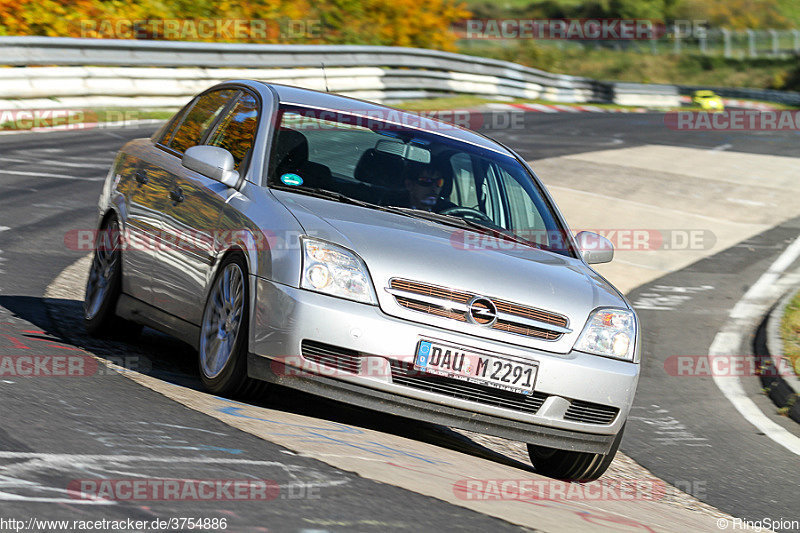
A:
(144, 183)
(156, 177)
(191, 220)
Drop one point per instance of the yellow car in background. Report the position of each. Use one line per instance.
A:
(708, 100)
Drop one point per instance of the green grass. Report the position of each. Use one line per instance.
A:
(677, 69)
(790, 332)
(111, 115)
(685, 69)
(469, 101)
(87, 116)
(447, 102)
(791, 10)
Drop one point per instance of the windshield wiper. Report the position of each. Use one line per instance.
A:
(333, 195)
(467, 224)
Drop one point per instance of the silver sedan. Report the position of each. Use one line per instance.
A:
(372, 256)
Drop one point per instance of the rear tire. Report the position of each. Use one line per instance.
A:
(573, 466)
(222, 347)
(104, 286)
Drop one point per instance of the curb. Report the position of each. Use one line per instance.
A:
(562, 108)
(784, 390)
(486, 108)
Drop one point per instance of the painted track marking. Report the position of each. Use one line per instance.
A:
(729, 339)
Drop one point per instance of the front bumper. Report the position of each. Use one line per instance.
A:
(284, 317)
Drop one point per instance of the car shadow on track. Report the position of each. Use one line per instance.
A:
(165, 358)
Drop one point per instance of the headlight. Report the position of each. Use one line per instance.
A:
(609, 332)
(334, 270)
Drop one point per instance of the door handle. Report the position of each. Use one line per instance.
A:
(141, 177)
(176, 195)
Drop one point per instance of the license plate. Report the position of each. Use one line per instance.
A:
(476, 367)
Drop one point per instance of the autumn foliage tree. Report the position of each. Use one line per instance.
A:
(381, 22)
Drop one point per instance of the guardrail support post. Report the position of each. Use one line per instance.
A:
(774, 35)
(726, 39)
(751, 43)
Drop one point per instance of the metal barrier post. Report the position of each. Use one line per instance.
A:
(726, 38)
(774, 35)
(751, 43)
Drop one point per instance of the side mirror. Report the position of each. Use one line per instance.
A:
(213, 162)
(594, 248)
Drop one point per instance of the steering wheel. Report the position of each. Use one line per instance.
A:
(467, 212)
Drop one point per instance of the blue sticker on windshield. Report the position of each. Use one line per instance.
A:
(291, 179)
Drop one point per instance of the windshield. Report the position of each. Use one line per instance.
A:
(419, 172)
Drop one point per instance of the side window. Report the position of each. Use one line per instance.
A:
(464, 193)
(165, 135)
(524, 214)
(199, 118)
(236, 132)
(491, 197)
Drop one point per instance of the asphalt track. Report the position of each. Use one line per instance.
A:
(54, 430)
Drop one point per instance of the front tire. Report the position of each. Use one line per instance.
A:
(573, 466)
(222, 348)
(104, 286)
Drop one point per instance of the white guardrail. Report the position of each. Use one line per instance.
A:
(54, 72)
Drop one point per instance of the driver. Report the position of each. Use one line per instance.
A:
(424, 190)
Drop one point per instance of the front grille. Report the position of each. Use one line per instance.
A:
(405, 374)
(431, 290)
(432, 309)
(510, 327)
(331, 356)
(590, 413)
(530, 312)
(453, 304)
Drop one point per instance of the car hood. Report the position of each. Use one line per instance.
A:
(396, 246)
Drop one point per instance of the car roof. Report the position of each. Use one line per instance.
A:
(288, 94)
